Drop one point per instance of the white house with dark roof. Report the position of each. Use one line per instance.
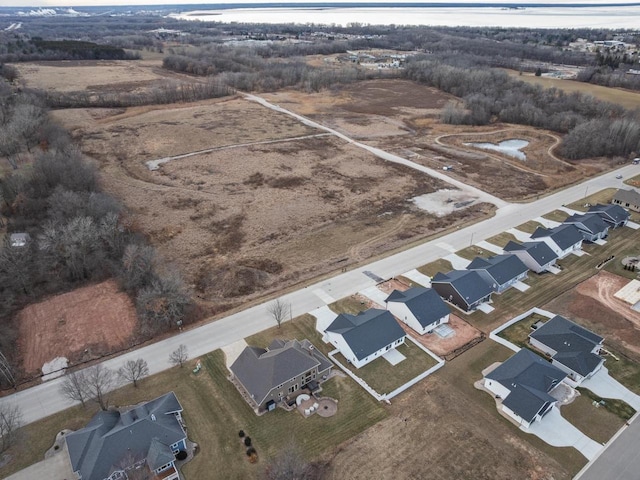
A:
(524, 382)
(591, 226)
(420, 308)
(500, 272)
(113, 443)
(364, 337)
(267, 377)
(463, 288)
(627, 199)
(537, 256)
(614, 215)
(562, 239)
(572, 348)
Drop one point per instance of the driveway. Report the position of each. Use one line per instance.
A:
(603, 385)
(56, 467)
(376, 295)
(520, 235)
(420, 278)
(490, 247)
(546, 223)
(324, 317)
(457, 262)
(559, 432)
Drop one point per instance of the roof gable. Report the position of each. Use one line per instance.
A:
(424, 303)
(367, 332)
(110, 438)
(502, 268)
(468, 283)
(261, 370)
(630, 196)
(540, 252)
(612, 213)
(591, 222)
(564, 236)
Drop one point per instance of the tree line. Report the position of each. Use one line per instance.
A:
(79, 234)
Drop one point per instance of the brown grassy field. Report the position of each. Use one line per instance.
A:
(626, 98)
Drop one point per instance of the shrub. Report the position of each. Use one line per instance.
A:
(247, 441)
(241, 433)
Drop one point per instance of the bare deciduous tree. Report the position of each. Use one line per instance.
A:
(74, 387)
(179, 356)
(6, 370)
(162, 304)
(10, 422)
(134, 370)
(100, 381)
(289, 464)
(279, 310)
(137, 266)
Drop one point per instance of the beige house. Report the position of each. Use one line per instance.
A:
(627, 199)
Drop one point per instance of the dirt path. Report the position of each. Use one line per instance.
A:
(607, 286)
(384, 155)
(356, 250)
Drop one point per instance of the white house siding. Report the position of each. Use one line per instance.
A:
(557, 250)
(515, 416)
(406, 316)
(496, 388)
(542, 347)
(530, 262)
(510, 283)
(345, 350)
(574, 379)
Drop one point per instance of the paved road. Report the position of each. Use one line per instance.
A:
(620, 461)
(43, 400)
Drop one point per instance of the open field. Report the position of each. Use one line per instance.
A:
(626, 98)
(80, 325)
(403, 117)
(96, 76)
(243, 216)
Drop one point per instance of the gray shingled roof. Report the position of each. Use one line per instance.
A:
(261, 370)
(611, 213)
(468, 284)
(367, 332)
(564, 236)
(99, 448)
(539, 251)
(502, 268)
(591, 221)
(529, 379)
(159, 454)
(631, 196)
(572, 342)
(425, 304)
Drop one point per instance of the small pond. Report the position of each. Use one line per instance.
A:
(508, 147)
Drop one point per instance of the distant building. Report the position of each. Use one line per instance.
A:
(628, 199)
(19, 239)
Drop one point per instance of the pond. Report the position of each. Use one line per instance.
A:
(510, 147)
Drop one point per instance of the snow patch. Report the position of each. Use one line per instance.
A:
(54, 369)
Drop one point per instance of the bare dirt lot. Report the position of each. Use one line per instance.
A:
(593, 305)
(402, 117)
(98, 318)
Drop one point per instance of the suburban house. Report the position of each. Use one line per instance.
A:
(614, 215)
(464, 288)
(500, 272)
(591, 226)
(537, 256)
(572, 348)
(562, 239)
(628, 199)
(114, 443)
(523, 382)
(267, 377)
(364, 337)
(420, 308)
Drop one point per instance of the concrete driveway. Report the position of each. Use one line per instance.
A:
(520, 235)
(559, 432)
(457, 262)
(420, 278)
(603, 385)
(57, 467)
(324, 317)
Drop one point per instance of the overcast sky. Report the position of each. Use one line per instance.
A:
(63, 3)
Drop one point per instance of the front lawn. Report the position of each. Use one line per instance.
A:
(518, 333)
(556, 216)
(529, 227)
(440, 265)
(603, 196)
(502, 239)
(474, 251)
(594, 420)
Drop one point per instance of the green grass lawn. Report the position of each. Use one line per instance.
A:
(474, 251)
(597, 422)
(603, 196)
(214, 412)
(556, 216)
(518, 333)
(502, 239)
(529, 227)
(384, 377)
(432, 268)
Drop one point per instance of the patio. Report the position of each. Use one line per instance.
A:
(307, 405)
